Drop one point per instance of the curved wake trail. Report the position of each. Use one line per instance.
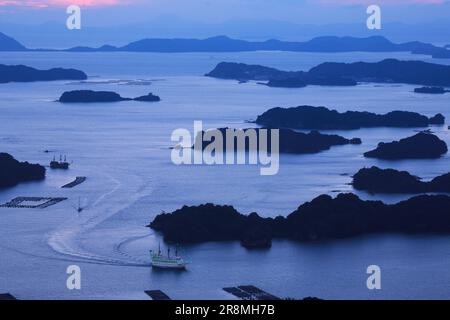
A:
(118, 249)
(65, 240)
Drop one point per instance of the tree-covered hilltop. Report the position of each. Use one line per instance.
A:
(13, 172)
(323, 218)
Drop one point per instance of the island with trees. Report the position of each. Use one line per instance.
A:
(376, 180)
(90, 96)
(323, 218)
(341, 74)
(21, 73)
(422, 145)
(290, 141)
(13, 172)
(322, 118)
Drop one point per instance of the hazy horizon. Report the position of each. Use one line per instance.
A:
(42, 23)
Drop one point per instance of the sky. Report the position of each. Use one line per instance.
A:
(111, 12)
(42, 22)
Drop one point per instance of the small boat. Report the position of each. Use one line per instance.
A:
(80, 208)
(167, 262)
(61, 164)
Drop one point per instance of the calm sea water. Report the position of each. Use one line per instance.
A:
(123, 149)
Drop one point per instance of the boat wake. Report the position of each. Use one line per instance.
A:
(67, 239)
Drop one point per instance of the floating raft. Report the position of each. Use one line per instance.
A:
(250, 293)
(157, 295)
(74, 183)
(41, 202)
(7, 296)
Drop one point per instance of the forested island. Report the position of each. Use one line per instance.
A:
(21, 73)
(12, 172)
(90, 96)
(422, 145)
(275, 77)
(341, 74)
(289, 141)
(376, 180)
(324, 218)
(322, 118)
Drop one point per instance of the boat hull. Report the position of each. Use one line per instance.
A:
(168, 266)
(59, 165)
(161, 262)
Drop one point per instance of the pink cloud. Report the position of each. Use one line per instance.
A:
(91, 3)
(50, 3)
(85, 2)
(17, 3)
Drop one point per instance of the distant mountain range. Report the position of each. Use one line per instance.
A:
(10, 44)
(54, 33)
(321, 44)
(225, 44)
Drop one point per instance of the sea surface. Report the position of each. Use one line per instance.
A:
(124, 151)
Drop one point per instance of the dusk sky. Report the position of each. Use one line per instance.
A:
(113, 12)
(42, 23)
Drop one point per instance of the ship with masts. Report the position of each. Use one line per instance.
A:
(167, 262)
(61, 164)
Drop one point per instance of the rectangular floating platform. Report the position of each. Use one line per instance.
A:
(250, 293)
(157, 295)
(74, 183)
(238, 293)
(7, 296)
(32, 202)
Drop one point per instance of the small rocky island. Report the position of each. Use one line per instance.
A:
(376, 180)
(22, 73)
(422, 145)
(341, 74)
(321, 118)
(290, 141)
(90, 96)
(13, 172)
(431, 90)
(324, 218)
(148, 98)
